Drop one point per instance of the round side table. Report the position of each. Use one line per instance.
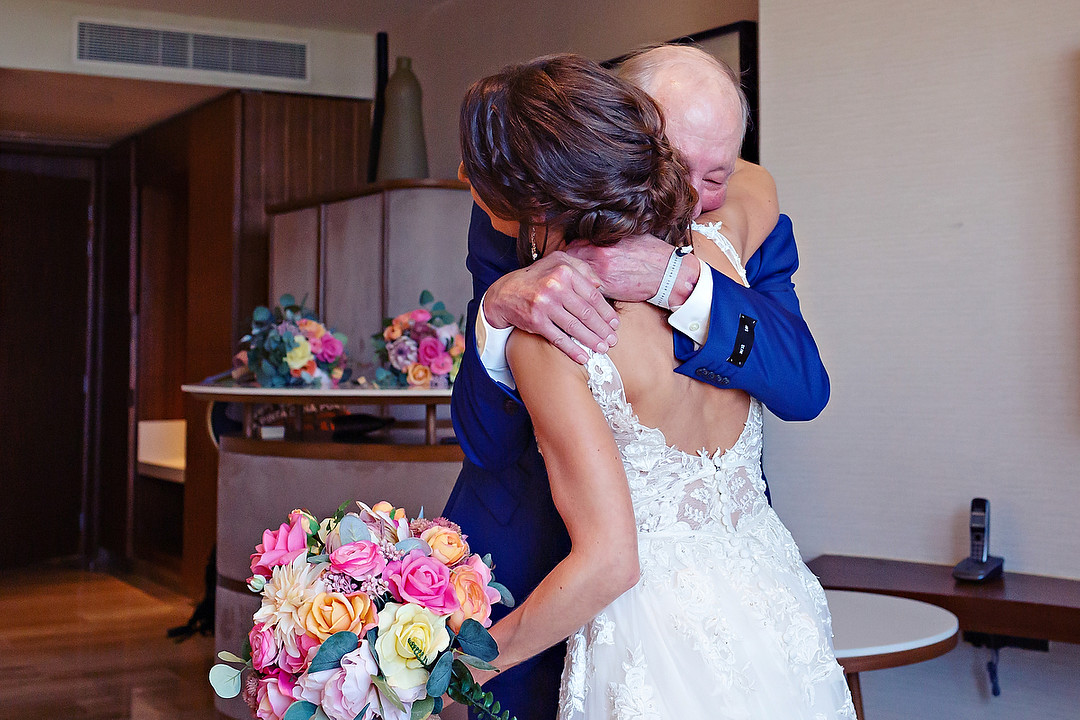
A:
(873, 632)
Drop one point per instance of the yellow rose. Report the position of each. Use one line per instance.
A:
(419, 375)
(300, 355)
(447, 546)
(330, 613)
(404, 631)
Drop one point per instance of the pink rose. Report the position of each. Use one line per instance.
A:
(417, 578)
(264, 650)
(429, 349)
(276, 693)
(358, 559)
(306, 647)
(420, 315)
(330, 348)
(442, 365)
(281, 547)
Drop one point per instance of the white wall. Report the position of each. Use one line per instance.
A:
(459, 41)
(928, 154)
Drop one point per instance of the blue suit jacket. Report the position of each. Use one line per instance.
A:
(758, 342)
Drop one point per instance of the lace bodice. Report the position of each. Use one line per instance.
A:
(673, 490)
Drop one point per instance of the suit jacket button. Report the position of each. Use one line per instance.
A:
(510, 406)
(702, 372)
(724, 381)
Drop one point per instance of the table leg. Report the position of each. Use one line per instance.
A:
(249, 420)
(856, 693)
(429, 434)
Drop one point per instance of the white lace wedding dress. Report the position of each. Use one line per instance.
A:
(726, 621)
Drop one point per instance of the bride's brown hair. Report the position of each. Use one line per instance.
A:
(560, 141)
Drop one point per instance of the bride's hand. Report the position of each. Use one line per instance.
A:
(558, 298)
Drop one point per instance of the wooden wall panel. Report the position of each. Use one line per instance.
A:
(213, 223)
(353, 273)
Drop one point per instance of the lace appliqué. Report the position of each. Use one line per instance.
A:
(635, 698)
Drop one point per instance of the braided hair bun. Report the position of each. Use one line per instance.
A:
(560, 141)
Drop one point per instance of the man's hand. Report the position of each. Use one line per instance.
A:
(631, 270)
(556, 297)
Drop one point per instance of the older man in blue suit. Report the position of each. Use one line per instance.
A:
(728, 335)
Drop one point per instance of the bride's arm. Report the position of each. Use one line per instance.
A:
(750, 210)
(589, 488)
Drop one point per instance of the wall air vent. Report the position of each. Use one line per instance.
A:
(111, 43)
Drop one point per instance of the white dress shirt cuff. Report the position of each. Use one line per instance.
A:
(491, 342)
(692, 318)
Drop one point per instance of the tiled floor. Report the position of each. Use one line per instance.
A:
(76, 644)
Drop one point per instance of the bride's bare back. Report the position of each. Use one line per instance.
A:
(691, 414)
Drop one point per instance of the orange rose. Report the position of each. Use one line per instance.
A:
(419, 375)
(385, 507)
(470, 583)
(391, 332)
(329, 613)
(447, 546)
(311, 328)
(459, 345)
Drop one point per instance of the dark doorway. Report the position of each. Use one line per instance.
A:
(45, 242)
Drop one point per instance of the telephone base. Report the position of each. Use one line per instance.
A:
(972, 570)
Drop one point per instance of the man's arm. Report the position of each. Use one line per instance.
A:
(758, 340)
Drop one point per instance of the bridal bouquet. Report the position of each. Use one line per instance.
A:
(419, 349)
(289, 347)
(365, 615)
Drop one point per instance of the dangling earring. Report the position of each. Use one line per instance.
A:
(532, 241)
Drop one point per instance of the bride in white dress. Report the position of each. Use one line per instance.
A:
(683, 595)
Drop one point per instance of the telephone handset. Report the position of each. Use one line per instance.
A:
(980, 565)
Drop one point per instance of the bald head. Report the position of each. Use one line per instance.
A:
(704, 108)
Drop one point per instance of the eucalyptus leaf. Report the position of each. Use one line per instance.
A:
(426, 297)
(438, 306)
(387, 692)
(422, 708)
(316, 559)
(333, 649)
(352, 529)
(486, 559)
(504, 592)
(474, 639)
(229, 657)
(320, 714)
(361, 714)
(261, 315)
(225, 680)
(300, 710)
(287, 300)
(409, 544)
(439, 679)
(474, 662)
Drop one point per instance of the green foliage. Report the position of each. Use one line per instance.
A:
(439, 678)
(463, 689)
(300, 710)
(504, 592)
(333, 649)
(225, 680)
(387, 692)
(422, 708)
(474, 639)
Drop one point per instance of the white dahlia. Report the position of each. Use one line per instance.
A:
(288, 589)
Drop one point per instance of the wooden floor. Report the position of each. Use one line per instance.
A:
(75, 644)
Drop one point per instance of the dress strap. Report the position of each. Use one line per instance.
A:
(712, 231)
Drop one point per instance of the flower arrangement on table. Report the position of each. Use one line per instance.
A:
(289, 347)
(365, 615)
(419, 349)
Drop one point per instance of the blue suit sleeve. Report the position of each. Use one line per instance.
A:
(758, 340)
(490, 422)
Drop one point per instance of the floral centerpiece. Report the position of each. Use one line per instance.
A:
(365, 615)
(419, 349)
(289, 347)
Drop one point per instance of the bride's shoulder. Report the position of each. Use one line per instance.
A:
(534, 356)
